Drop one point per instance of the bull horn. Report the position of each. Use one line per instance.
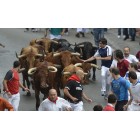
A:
(85, 73)
(78, 64)
(39, 55)
(20, 56)
(56, 54)
(75, 54)
(66, 73)
(38, 40)
(52, 67)
(57, 66)
(32, 71)
(93, 65)
(21, 70)
(54, 41)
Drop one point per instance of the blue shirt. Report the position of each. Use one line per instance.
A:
(120, 88)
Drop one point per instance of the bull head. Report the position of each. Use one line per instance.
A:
(20, 56)
(33, 70)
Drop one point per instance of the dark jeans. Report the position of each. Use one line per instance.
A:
(132, 33)
(125, 31)
(119, 31)
(120, 104)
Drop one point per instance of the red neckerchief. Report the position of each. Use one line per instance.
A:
(54, 100)
(75, 78)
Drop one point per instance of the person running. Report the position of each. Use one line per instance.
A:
(11, 85)
(54, 103)
(134, 102)
(74, 91)
(104, 53)
(120, 88)
(122, 63)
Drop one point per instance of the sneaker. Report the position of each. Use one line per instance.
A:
(119, 36)
(103, 93)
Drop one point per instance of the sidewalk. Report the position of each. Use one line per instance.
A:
(116, 43)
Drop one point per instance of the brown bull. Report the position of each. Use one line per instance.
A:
(86, 68)
(27, 58)
(44, 79)
(65, 57)
(44, 44)
(68, 71)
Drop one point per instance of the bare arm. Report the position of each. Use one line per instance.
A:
(63, 31)
(86, 98)
(90, 59)
(21, 86)
(129, 102)
(103, 58)
(5, 85)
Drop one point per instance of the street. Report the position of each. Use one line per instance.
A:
(15, 39)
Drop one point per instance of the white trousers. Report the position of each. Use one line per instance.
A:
(55, 36)
(14, 100)
(105, 78)
(133, 107)
(77, 107)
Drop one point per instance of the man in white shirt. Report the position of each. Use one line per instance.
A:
(54, 103)
(131, 58)
(134, 102)
(133, 67)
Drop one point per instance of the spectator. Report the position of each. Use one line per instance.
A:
(131, 58)
(74, 91)
(134, 102)
(120, 88)
(55, 33)
(132, 33)
(112, 100)
(11, 85)
(125, 31)
(97, 108)
(120, 30)
(54, 103)
(4, 104)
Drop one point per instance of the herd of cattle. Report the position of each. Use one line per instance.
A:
(47, 64)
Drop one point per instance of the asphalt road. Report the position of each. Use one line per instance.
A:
(15, 39)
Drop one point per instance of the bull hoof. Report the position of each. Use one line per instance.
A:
(86, 82)
(28, 94)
